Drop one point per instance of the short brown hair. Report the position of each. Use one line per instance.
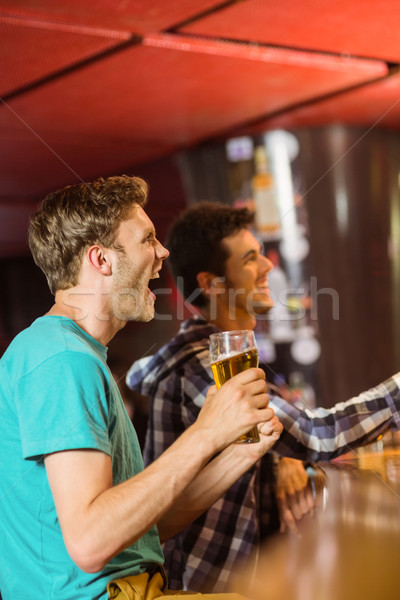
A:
(195, 243)
(76, 217)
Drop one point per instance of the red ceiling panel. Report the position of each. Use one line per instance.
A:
(143, 102)
(37, 156)
(32, 51)
(137, 16)
(359, 28)
(374, 105)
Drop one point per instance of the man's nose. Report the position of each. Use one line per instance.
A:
(266, 264)
(161, 251)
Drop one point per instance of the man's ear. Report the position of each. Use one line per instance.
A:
(100, 259)
(209, 282)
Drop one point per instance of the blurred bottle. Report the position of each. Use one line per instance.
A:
(266, 211)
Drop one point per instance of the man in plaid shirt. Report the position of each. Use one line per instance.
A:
(218, 266)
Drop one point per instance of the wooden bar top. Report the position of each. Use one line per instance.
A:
(350, 549)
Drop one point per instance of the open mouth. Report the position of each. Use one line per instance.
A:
(262, 284)
(155, 275)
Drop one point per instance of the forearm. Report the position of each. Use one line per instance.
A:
(209, 485)
(97, 530)
(215, 479)
(323, 434)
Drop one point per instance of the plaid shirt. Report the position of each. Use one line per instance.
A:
(203, 556)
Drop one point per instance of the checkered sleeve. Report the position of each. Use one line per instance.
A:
(322, 434)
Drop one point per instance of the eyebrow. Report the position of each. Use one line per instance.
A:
(251, 252)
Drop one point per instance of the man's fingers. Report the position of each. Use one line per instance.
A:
(270, 425)
(266, 416)
(287, 520)
(297, 507)
(250, 375)
(307, 500)
(294, 507)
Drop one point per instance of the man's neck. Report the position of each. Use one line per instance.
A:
(89, 312)
(227, 322)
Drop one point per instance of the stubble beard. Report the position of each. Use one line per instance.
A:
(130, 297)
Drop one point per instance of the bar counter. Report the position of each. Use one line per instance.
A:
(350, 549)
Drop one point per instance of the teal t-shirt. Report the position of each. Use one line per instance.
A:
(57, 393)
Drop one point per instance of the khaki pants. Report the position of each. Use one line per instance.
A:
(148, 586)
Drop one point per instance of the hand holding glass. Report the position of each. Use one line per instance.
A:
(230, 353)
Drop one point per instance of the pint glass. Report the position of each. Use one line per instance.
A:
(230, 353)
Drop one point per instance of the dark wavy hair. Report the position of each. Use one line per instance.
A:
(76, 217)
(195, 244)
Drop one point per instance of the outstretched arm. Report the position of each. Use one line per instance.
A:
(322, 434)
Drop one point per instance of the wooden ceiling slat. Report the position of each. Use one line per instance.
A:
(32, 52)
(370, 106)
(136, 16)
(344, 27)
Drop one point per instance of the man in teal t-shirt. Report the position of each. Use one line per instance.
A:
(77, 509)
(68, 400)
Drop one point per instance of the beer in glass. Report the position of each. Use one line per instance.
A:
(230, 353)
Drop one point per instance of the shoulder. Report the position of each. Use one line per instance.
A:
(53, 345)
